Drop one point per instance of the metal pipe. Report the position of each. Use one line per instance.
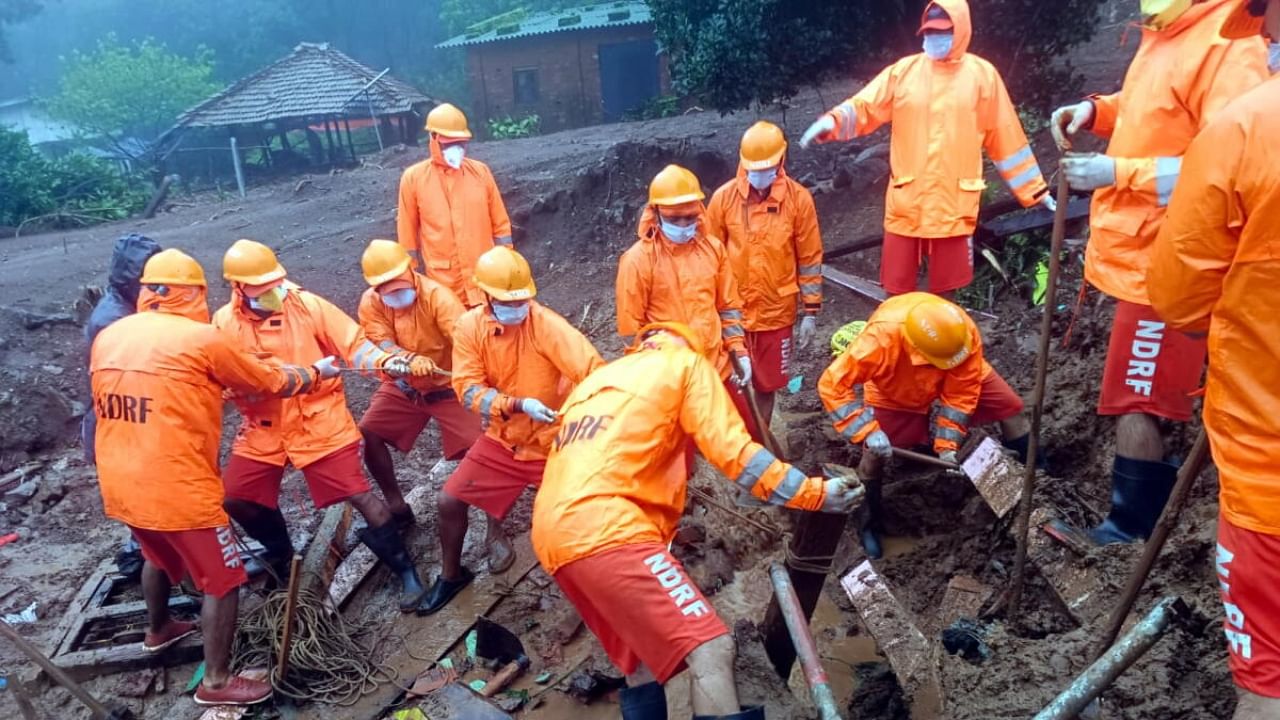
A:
(806, 650)
(1104, 671)
(235, 163)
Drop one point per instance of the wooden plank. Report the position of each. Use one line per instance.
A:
(87, 664)
(327, 548)
(1035, 218)
(997, 478)
(71, 619)
(1073, 583)
(456, 701)
(861, 286)
(965, 596)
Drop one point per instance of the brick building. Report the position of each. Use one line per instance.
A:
(574, 67)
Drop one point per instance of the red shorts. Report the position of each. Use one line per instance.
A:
(399, 420)
(997, 402)
(208, 555)
(491, 478)
(1248, 575)
(333, 478)
(770, 358)
(639, 602)
(1150, 369)
(950, 263)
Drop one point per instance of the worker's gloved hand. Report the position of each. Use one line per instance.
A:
(878, 444)
(1068, 121)
(421, 366)
(742, 370)
(825, 125)
(397, 366)
(534, 408)
(1049, 203)
(327, 367)
(842, 495)
(808, 329)
(948, 456)
(1089, 171)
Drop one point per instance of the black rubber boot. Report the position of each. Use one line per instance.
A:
(267, 526)
(385, 542)
(644, 702)
(872, 526)
(1139, 491)
(755, 712)
(1021, 445)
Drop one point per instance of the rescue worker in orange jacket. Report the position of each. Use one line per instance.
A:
(412, 316)
(157, 379)
(613, 493)
(769, 226)
(1213, 269)
(513, 363)
(315, 433)
(946, 106)
(1184, 73)
(916, 349)
(450, 209)
(677, 271)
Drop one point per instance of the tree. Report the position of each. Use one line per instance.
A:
(74, 189)
(14, 11)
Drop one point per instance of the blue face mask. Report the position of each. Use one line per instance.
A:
(399, 299)
(508, 314)
(938, 45)
(762, 179)
(1273, 59)
(679, 234)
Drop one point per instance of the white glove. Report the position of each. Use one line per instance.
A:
(1089, 171)
(808, 328)
(534, 408)
(327, 367)
(842, 495)
(1049, 203)
(742, 371)
(878, 444)
(397, 367)
(948, 456)
(824, 125)
(1068, 121)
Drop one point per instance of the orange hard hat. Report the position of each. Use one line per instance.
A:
(940, 331)
(447, 121)
(1243, 22)
(383, 261)
(172, 267)
(680, 330)
(504, 275)
(763, 145)
(251, 263)
(675, 186)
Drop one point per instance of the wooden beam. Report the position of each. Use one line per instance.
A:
(326, 549)
(866, 243)
(87, 664)
(865, 288)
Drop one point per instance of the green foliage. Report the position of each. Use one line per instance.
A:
(659, 107)
(509, 128)
(1017, 261)
(79, 187)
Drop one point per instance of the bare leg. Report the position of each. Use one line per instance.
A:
(1138, 437)
(155, 591)
(377, 458)
(1015, 427)
(453, 531)
(375, 511)
(1256, 707)
(219, 620)
(711, 669)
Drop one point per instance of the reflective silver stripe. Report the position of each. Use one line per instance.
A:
(1011, 163)
(504, 240)
(291, 381)
(366, 356)
(848, 122)
(1167, 171)
(954, 415)
(867, 417)
(731, 315)
(486, 406)
(756, 467)
(811, 270)
(469, 395)
(946, 433)
(811, 281)
(729, 331)
(1027, 177)
(845, 411)
(307, 380)
(390, 346)
(788, 488)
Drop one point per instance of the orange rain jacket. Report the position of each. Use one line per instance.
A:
(1213, 268)
(157, 379)
(298, 430)
(495, 366)
(660, 281)
(775, 248)
(425, 329)
(944, 113)
(449, 218)
(1180, 78)
(616, 475)
(895, 375)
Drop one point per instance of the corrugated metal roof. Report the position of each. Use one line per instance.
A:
(518, 24)
(314, 79)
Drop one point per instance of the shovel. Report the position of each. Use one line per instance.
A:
(495, 642)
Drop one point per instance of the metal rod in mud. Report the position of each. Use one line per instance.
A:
(1187, 475)
(1104, 671)
(807, 651)
(925, 459)
(1023, 528)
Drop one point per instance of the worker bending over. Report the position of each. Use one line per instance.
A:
(157, 379)
(946, 105)
(916, 349)
(412, 316)
(613, 493)
(1184, 73)
(450, 209)
(513, 361)
(770, 227)
(314, 432)
(1213, 268)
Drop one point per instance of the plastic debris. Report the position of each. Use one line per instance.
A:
(409, 714)
(447, 663)
(196, 678)
(6, 539)
(471, 645)
(543, 678)
(26, 617)
(967, 638)
(794, 384)
(477, 685)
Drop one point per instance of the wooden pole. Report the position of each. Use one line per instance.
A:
(96, 709)
(925, 459)
(161, 193)
(328, 136)
(290, 607)
(373, 116)
(1023, 527)
(346, 125)
(235, 162)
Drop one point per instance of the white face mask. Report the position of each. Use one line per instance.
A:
(453, 155)
(1273, 59)
(938, 45)
(399, 299)
(679, 234)
(762, 179)
(510, 315)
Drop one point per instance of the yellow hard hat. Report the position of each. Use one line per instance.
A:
(252, 263)
(684, 332)
(762, 146)
(940, 331)
(844, 337)
(383, 261)
(172, 267)
(675, 186)
(504, 275)
(447, 121)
